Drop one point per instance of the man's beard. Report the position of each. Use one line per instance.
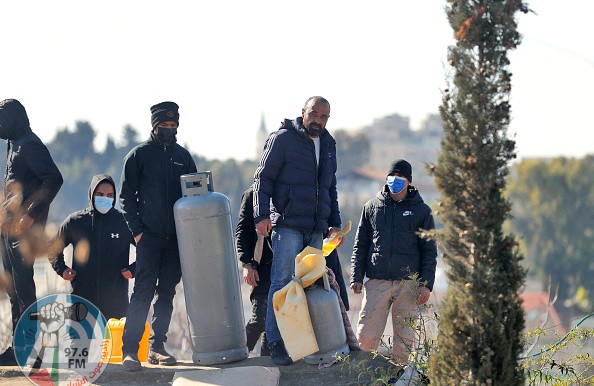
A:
(314, 130)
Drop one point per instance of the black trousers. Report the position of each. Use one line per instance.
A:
(22, 291)
(256, 326)
(158, 271)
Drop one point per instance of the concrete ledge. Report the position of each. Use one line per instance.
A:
(245, 376)
(297, 374)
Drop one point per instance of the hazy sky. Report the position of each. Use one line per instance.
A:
(228, 62)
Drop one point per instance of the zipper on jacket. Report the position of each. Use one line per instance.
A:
(167, 163)
(317, 174)
(99, 232)
(391, 227)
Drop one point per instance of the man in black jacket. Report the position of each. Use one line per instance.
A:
(150, 187)
(31, 182)
(255, 254)
(101, 276)
(295, 198)
(389, 251)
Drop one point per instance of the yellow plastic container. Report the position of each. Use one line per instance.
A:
(330, 243)
(116, 331)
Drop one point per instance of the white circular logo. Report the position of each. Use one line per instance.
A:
(62, 339)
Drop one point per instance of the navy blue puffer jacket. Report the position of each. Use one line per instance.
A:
(290, 188)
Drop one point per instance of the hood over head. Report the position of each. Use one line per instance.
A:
(95, 181)
(13, 119)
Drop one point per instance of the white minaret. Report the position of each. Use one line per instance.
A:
(261, 137)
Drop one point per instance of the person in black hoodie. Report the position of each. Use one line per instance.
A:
(256, 270)
(31, 182)
(101, 234)
(389, 251)
(150, 187)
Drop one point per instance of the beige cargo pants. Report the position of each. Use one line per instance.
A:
(378, 297)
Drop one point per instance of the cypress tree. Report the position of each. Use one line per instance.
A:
(481, 323)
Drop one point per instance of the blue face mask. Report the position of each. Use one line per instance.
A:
(103, 204)
(396, 184)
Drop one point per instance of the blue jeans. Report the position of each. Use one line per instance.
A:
(286, 245)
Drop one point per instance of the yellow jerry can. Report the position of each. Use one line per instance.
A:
(116, 331)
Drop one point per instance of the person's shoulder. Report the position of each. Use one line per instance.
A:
(377, 200)
(140, 148)
(418, 201)
(79, 215)
(118, 215)
(30, 139)
(279, 138)
(327, 137)
(182, 149)
(426, 207)
(287, 127)
(249, 191)
(282, 133)
(414, 196)
(118, 212)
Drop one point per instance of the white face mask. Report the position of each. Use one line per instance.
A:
(103, 204)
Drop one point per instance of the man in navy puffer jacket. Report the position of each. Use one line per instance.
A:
(295, 198)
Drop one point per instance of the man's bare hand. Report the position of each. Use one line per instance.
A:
(357, 287)
(250, 275)
(69, 274)
(332, 231)
(423, 295)
(23, 224)
(264, 227)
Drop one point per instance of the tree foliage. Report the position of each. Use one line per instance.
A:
(553, 206)
(78, 160)
(351, 149)
(482, 318)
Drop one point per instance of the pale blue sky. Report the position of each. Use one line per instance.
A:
(227, 62)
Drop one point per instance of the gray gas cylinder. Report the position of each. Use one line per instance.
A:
(209, 272)
(326, 319)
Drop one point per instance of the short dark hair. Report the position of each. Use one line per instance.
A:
(316, 98)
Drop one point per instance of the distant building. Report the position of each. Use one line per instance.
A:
(261, 137)
(358, 185)
(391, 138)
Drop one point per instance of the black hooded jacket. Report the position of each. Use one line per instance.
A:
(99, 279)
(30, 169)
(246, 239)
(387, 246)
(151, 185)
